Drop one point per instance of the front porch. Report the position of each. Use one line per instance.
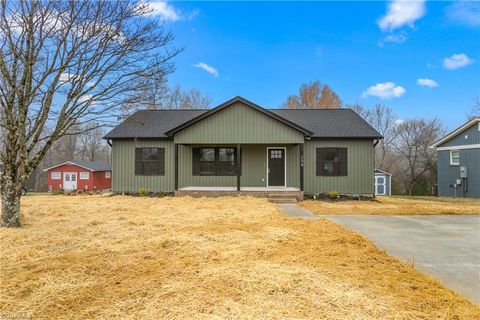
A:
(233, 169)
(258, 192)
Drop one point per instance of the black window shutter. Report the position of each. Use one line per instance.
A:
(138, 161)
(196, 161)
(161, 161)
(319, 161)
(343, 161)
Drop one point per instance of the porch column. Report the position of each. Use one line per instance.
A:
(301, 166)
(239, 165)
(176, 166)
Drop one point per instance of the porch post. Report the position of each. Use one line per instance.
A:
(176, 166)
(239, 165)
(301, 166)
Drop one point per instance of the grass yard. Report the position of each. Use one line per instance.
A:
(85, 257)
(396, 205)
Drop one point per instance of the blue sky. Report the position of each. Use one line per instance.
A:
(368, 52)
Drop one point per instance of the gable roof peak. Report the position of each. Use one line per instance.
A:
(455, 132)
(246, 102)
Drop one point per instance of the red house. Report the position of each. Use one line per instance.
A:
(80, 175)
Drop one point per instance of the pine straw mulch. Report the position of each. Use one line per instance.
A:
(154, 258)
(396, 206)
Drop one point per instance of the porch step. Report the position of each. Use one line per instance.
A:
(282, 198)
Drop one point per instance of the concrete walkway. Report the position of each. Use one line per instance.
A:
(447, 247)
(294, 210)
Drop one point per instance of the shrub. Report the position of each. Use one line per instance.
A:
(142, 192)
(333, 195)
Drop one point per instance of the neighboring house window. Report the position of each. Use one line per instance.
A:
(150, 161)
(214, 161)
(84, 175)
(454, 157)
(56, 175)
(332, 162)
(107, 174)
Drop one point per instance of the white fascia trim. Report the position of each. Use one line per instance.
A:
(467, 146)
(67, 163)
(455, 132)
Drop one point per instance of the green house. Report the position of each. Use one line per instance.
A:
(241, 147)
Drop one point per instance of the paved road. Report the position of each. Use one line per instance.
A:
(447, 247)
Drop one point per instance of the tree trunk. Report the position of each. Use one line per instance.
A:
(11, 194)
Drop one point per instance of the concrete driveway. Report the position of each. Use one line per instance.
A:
(446, 247)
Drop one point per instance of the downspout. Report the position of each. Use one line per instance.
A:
(374, 145)
(109, 143)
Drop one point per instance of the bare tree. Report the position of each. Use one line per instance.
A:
(476, 108)
(414, 137)
(156, 94)
(384, 120)
(66, 63)
(91, 146)
(313, 95)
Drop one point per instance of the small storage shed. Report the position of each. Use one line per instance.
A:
(80, 175)
(383, 183)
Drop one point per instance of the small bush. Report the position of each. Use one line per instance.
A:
(142, 192)
(333, 195)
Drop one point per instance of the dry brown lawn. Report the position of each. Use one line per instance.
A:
(396, 206)
(85, 257)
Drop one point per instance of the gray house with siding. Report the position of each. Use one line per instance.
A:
(242, 147)
(458, 161)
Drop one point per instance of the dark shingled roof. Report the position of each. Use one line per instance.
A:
(330, 123)
(152, 123)
(323, 123)
(92, 165)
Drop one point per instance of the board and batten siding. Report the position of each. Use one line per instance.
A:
(123, 167)
(360, 159)
(238, 123)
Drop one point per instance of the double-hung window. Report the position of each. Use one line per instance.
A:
(149, 161)
(454, 157)
(214, 161)
(332, 162)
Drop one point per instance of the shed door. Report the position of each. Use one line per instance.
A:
(380, 185)
(276, 167)
(70, 181)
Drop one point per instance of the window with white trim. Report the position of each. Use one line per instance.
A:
(454, 157)
(84, 175)
(108, 174)
(56, 175)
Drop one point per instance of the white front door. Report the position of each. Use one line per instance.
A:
(69, 181)
(380, 186)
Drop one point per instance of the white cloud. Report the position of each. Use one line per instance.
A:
(401, 13)
(464, 12)
(385, 90)
(399, 122)
(207, 68)
(393, 38)
(457, 61)
(427, 83)
(66, 77)
(163, 10)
